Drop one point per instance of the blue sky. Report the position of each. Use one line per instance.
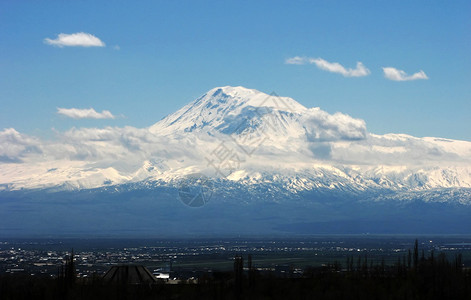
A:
(160, 55)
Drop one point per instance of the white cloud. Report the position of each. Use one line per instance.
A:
(87, 113)
(334, 67)
(119, 146)
(297, 60)
(75, 156)
(400, 150)
(399, 75)
(79, 39)
(322, 127)
(14, 146)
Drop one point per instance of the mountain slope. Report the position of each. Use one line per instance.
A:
(258, 163)
(245, 136)
(218, 109)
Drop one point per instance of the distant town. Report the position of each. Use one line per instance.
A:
(184, 260)
(321, 267)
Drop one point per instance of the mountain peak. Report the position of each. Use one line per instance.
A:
(232, 91)
(253, 98)
(218, 105)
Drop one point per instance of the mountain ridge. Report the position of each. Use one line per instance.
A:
(268, 134)
(235, 161)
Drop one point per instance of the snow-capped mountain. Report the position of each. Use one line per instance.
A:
(244, 136)
(222, 109)
(267, 163)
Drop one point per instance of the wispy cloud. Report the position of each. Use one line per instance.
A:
(87, 113)
(399, 75)
(79, 39)
(333, 67)
(297, 60)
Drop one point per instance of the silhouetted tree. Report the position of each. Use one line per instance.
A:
(409, 259)
(238, 274)
(416, 254)
(250, 270)
(458, 262)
